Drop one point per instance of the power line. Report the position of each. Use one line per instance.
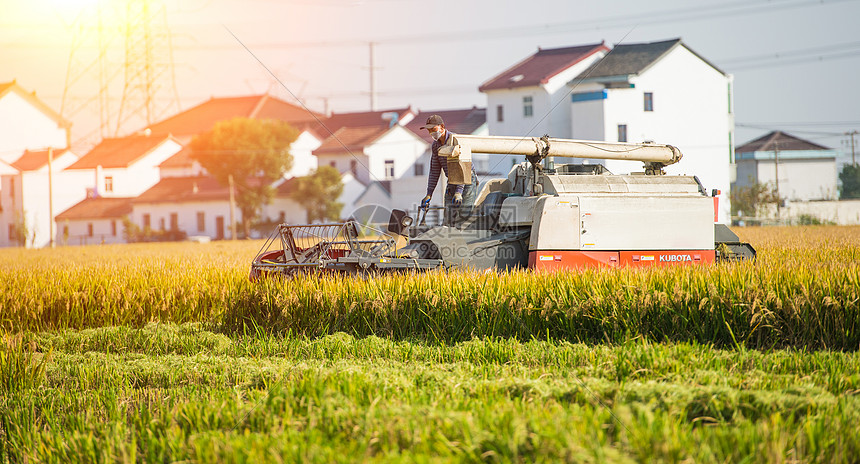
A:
(780, 55)
(621, 21)
(808, 123)
(837, 56)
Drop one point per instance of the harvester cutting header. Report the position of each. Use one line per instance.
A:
(543, 216)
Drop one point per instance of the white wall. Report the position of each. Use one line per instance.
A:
(342, 164)
(399, 144)
(25, 126)
(406, 194)
(845, 212)
(374, 195)
(547, 117)
(139, 176)
(187, 216)
(514, 122)
(801, 180)
(78, 232)
(187, 171)
(303, 159)
(352, 188)
(31, 199)
(587, 117)
(691, 112)
(293, 212)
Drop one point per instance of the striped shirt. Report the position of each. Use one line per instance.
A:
(439, 164)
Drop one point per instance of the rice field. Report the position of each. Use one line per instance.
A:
(163, 353)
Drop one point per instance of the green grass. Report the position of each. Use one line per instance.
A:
(167, 392)
(163, 353)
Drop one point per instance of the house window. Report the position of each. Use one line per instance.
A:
(419, 169)
(332, 164)
(389, 169)
(282, 218)
(353, 167)
(65, 232)
(12, 235)
(89, 229)
(174, 221)
(500, 113)
(113, 228)
(161, 224)
(649, 101)
(622, 132)
(12, 187)
(528, 108)
(201, 221)
(108, 183)
(146, 221)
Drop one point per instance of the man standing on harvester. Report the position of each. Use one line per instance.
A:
(462, 181)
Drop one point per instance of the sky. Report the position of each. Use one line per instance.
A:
(795, 63)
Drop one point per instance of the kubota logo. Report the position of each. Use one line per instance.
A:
(674, 258)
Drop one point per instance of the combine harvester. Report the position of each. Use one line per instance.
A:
(543, 216)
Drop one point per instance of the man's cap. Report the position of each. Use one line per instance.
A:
(433, 121)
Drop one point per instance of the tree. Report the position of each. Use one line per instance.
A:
(318, 193)
(850, 178)
(750, 200)
(255, 152)
(21, 232)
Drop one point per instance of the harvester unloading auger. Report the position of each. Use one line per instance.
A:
(543, 216)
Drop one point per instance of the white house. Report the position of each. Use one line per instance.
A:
(203, 117)
(198, 206)
(531, 97)
(94, 221)
(807, 171)
(127, 166)
(28, 123)
(661, 92)
(373, 155)
(25, 203)
(283, 208)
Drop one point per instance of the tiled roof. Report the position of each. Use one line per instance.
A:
(630, 59)
(34, 160)
(457, 121)
(204, 116)
(184, 190)
(97, 208)
(353, 138)
(181, 159)
(361, 119)
(778, 140)
(540, 67)
(285, 188)
(119, 152)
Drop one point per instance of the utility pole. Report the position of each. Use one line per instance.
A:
(51, 194)
(852, 134)
(372, 80)
(776, 165)
(232, 207)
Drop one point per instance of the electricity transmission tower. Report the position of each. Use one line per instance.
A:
(132, 66)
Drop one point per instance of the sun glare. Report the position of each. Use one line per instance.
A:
(71, 8)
